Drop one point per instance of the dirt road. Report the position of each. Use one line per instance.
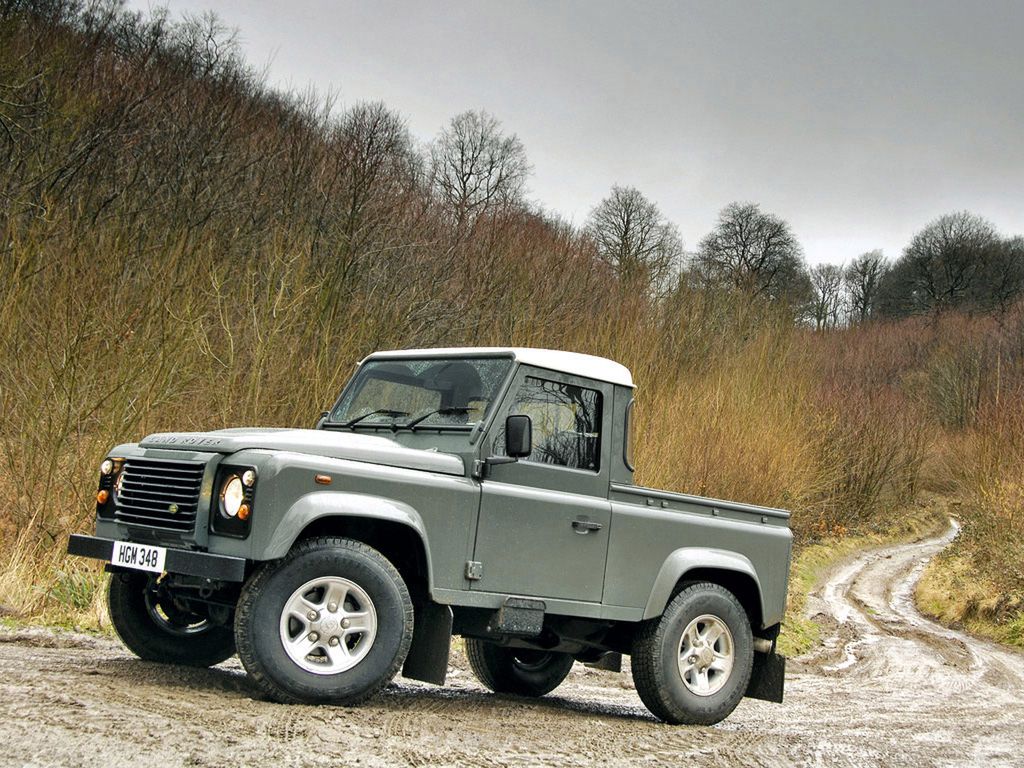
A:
(887, 688)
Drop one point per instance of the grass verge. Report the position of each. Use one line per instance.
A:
(953, 592)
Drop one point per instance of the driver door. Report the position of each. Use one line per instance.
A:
(544, 520)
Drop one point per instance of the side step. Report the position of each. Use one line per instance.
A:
(519, 616)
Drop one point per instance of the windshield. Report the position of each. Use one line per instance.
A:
(435, 393)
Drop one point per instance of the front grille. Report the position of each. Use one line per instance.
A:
(160, 493)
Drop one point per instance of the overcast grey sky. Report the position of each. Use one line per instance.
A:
(857, 122)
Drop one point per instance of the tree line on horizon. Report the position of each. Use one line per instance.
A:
(959, 261)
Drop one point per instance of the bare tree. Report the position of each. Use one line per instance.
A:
(379, 170)
(946, 259)
(1002, 283)
(862, 278)
(634, 239)
(368, 180)
(754, 252)
(828, 300)
(476, 168)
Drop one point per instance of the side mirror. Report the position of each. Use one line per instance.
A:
(518, 445)
(518, 436)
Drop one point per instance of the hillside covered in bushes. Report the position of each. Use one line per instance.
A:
(183, 248)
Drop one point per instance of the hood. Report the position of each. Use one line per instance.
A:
(336, 445)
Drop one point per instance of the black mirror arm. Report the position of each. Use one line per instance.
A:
(480, 467)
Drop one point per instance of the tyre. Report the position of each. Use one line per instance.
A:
(692, 665)
(156, 628)
(521, 671)
(330, 622)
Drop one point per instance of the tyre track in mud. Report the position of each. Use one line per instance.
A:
(958, 698)
(886, 687)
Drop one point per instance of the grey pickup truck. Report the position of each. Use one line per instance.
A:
(484, 492)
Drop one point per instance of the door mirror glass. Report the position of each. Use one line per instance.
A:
(518, 436)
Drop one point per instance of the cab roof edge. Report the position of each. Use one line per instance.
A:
(575, 363)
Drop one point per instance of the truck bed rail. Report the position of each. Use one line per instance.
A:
(670, 496)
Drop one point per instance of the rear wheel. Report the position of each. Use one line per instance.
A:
(523, 671)
(156, 627)
(693, 664)
(331, 622)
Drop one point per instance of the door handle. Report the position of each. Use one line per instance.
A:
(583, 526)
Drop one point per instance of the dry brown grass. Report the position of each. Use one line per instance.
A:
(954, 590)
(732, 404)
(979, 581)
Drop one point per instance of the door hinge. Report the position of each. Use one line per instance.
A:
(474, 570)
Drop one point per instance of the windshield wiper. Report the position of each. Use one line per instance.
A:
(443, 411)
(378, 412)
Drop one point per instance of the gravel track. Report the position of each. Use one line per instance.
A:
(887, 687)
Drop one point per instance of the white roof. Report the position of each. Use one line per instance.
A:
(587, 366)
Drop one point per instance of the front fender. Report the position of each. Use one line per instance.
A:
(314, 506)
(686, 559)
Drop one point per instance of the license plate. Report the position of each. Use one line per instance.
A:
(141, 557)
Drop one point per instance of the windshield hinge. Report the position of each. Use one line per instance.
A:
(474, 570)
(479, 469)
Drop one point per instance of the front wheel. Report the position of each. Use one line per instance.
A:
(522, 671)
(156, 627)
(331, 622)
(693, 664)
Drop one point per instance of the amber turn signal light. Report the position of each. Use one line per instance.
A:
(243, 512)
(102, 496)
(322, 479)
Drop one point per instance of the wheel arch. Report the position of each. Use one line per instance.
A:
(391, 527)
(730, 570)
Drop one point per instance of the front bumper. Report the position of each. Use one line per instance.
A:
(183, 561)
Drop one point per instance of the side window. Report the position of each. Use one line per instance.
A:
(566, 423)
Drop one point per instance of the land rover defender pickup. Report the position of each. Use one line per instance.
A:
(486, 493)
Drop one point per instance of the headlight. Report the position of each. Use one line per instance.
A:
(109, 485)
(236, 493)
(231, 496)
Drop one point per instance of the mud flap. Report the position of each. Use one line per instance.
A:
(431, 643)
(768, 677)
